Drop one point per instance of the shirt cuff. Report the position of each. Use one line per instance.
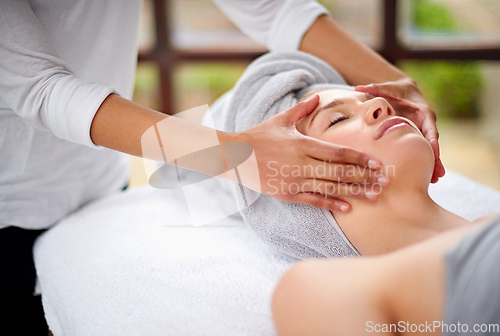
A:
(292, 21)
(74, 109)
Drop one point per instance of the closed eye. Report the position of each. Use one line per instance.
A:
(338, 119)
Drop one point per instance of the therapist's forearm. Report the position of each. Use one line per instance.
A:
(356, 62)
(245, 157)
(125, 126)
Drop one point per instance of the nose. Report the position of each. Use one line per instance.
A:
(377, 109)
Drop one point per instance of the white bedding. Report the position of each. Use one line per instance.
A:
(132, 264)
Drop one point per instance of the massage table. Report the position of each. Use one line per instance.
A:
(135, 263)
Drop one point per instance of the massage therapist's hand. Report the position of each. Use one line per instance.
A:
(296, 168)
(408, 102)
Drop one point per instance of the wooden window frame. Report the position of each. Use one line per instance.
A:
(167, 58)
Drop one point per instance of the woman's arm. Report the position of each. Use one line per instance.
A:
(40, 87)
(329, 297)
(128, 127)
(361, 296)
(356, 62)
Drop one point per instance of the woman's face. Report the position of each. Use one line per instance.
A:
(369, 124)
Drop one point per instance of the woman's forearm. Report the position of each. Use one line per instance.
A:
(122, 125)
(356, 62)
(127, 127)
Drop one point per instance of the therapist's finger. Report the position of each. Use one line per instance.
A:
(439, 171)
(403, 89)
(431, 134)
(320, 201)
(344, 173)
(300, 110)
(348, 190)
(387, 89)
(328, 152)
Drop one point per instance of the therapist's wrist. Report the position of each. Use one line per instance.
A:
(240, 161)
(224, 138)
(230, 137)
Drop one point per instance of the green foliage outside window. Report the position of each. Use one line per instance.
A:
(218, 77)
(451, 88)
(432, 16)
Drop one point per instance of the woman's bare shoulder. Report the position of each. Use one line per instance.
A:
(327, 297)
(486, 219)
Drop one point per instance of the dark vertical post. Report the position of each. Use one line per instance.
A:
(163, 50)
(390, 45)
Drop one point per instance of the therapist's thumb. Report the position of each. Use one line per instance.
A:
(299, 111)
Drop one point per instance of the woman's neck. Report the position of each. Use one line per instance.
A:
(400, 217)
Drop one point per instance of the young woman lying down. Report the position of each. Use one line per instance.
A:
(404, 233)
(427, 288)
(403, 214)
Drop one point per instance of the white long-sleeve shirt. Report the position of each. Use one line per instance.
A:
(59, 60)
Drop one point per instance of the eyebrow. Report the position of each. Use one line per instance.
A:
(335, 103)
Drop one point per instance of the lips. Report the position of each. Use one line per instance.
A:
(389, 124)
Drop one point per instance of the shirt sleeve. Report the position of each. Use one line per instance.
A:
(278, 24)
(39, 86)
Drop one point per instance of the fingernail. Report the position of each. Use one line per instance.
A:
(371, 195)
(373, 164)
(312, 97)
(344, 208)
(383, 181)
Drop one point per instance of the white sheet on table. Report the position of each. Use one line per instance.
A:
(133, 264)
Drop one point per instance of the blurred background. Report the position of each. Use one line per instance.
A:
(190, 54)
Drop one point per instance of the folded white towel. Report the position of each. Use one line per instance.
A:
(132, 264)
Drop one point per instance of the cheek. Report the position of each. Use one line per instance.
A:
(349, 137)
(406, 156)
